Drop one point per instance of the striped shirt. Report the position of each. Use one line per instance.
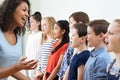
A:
(44, 53)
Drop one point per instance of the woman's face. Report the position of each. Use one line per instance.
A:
(21, 14)
(34, 24)
(112, 38)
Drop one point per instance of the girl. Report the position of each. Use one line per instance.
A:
(112, 39)
(34, 39)
(45, 49)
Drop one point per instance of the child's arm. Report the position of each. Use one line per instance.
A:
(66, 74)
(44, 76)
(80, 72)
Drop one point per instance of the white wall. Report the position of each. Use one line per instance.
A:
(61, 9)
(1, 1)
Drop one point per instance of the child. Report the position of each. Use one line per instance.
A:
(79, 39)
(47, 24)
(95, 68)
(112, 39)
(34, 39)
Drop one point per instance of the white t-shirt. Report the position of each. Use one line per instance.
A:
(33, 45)
(32, 49)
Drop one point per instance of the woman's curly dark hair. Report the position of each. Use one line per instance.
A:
(7, 10)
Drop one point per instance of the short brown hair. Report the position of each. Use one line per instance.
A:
(80, 16)
(99, 26)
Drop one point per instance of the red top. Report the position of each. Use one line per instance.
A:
(53, 59)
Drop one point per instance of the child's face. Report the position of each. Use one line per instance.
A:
(58, 33)
(71, 22)
(45, 26)
(34, 24)
(93, 40)
(112, 38)
(76, 40)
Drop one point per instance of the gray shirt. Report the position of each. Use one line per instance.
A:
(95, 68)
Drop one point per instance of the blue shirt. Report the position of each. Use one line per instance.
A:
(95, 68)
(66, 61)
(77, 60)
(9, 54)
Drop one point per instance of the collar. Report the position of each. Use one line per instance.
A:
(96, 52)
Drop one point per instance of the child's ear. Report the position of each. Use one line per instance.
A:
(83, 38)
(101, 36)
(63, 31)
(38, 23)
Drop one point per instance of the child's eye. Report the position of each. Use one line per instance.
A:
(24, 9)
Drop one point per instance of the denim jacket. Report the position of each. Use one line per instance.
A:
(95, 68)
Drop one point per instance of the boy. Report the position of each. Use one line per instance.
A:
(95, 68)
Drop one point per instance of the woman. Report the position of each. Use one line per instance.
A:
(13, 16)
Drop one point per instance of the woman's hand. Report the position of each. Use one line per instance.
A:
(26, 64)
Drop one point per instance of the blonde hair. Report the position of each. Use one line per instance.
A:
(117, 20)
(51, 22)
